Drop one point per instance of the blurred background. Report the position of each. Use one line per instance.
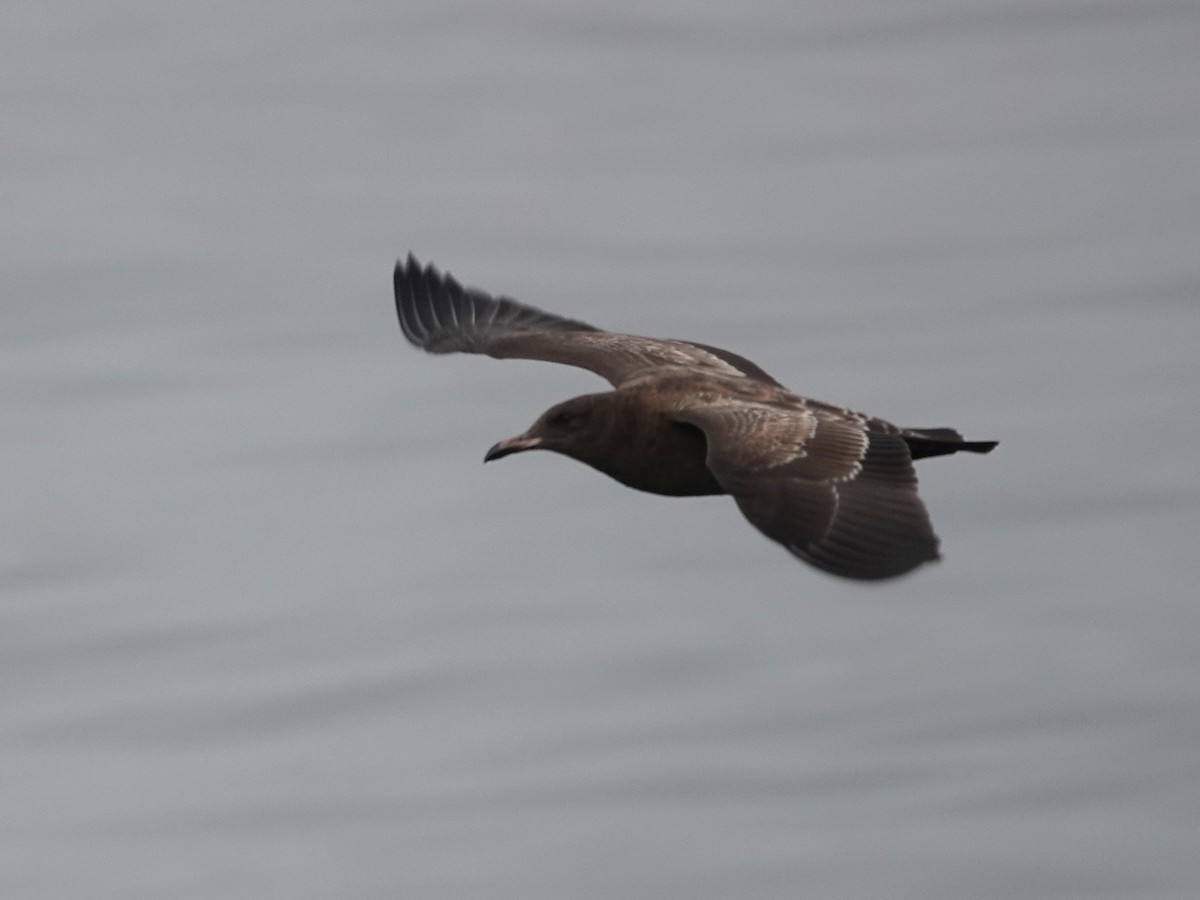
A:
(269, 629)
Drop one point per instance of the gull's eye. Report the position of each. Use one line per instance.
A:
(562, 418)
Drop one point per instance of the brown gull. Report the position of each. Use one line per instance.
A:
(833, 486)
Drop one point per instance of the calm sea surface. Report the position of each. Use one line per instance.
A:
(269, 629)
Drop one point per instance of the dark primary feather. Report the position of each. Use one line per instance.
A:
(441, 316)
(835, 487)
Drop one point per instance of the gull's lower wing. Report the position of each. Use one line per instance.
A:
(839, 497)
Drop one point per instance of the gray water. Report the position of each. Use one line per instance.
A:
(269, 629)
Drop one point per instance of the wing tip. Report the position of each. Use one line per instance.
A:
(423, 295)
(877, 566)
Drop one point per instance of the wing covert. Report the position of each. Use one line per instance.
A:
(832, 493)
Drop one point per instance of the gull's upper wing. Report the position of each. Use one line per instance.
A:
(439, 315)
(816, 480)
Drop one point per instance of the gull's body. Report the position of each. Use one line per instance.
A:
(837, 488)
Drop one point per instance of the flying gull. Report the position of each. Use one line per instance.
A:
(835, 487)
